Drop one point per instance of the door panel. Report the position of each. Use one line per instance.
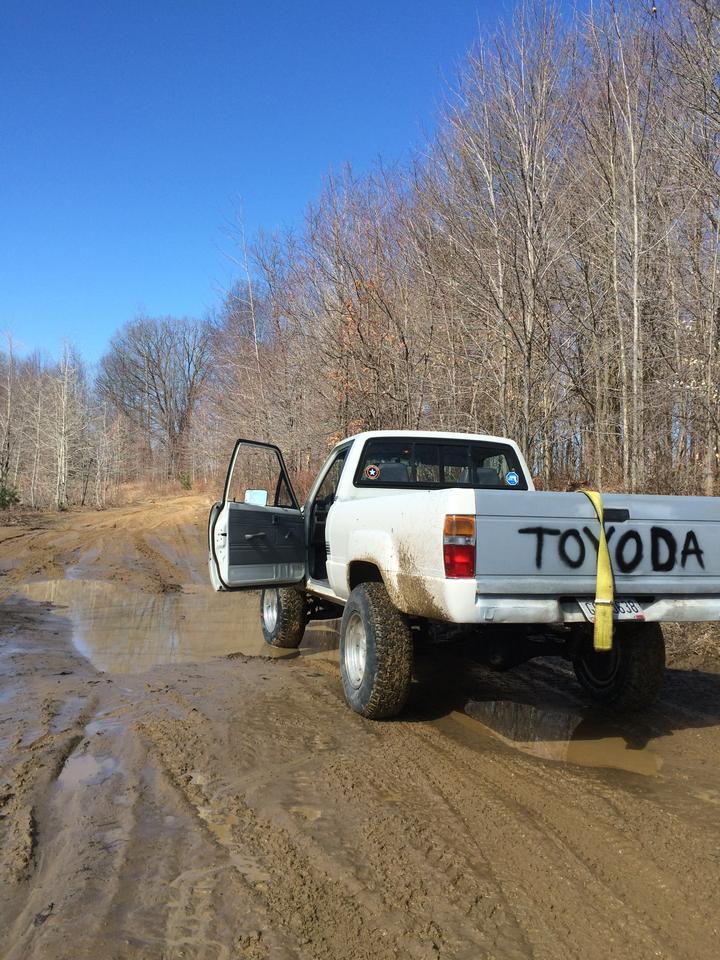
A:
(266, 545)
(253, 545)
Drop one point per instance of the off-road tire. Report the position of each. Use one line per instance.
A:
(289, 626)
(387, 673)
(628, 678)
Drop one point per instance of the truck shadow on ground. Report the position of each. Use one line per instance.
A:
(539, 708)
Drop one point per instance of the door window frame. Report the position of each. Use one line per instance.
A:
(283, 475)
(309, 507)
(335, 453)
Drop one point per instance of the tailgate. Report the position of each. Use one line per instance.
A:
(532, 542)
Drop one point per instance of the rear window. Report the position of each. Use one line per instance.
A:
(425, 464)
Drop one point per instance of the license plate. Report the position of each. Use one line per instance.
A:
(622, 610)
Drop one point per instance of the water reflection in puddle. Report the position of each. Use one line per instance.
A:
(126, 631)
(68, 711)
(560, 735)
(85, 769)
(104, 724)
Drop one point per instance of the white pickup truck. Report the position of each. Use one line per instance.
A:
(404, 532)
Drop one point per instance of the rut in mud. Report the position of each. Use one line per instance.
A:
(171, 787)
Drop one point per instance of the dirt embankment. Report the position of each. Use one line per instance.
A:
(168, 789)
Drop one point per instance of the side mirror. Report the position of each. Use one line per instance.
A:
(258, 498)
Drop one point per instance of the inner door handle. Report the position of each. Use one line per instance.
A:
(254, 536)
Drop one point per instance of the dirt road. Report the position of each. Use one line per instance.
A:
(169, 789)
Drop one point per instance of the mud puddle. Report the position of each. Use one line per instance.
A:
(86, 770)
(124, 631)
(553, 734)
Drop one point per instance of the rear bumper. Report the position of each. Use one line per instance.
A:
(461, 601)
(533, 609)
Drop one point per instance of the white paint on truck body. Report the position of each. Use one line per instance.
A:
(403, 537)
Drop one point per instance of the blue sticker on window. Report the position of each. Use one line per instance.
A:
(512, 479)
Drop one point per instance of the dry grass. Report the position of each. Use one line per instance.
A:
(693, 645)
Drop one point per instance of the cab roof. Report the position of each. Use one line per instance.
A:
(437, 434)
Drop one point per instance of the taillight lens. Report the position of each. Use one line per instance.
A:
(459, 560)
(459, 546)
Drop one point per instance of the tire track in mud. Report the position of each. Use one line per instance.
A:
(454, 903)
(611, 858)
(163, 574)
(418, 868)
(495, 844)
(512, 908)
(38, 763)
(94, 845)
(514, 855)
(48, 549)
(190, 923)
(332, 913)
(389, 769)
(542, 877)
(421, 887)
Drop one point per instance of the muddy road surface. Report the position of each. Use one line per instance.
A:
(168, 788)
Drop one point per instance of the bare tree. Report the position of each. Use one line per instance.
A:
(153, 374)
(547, 267)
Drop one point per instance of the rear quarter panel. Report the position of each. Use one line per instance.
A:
(400, 532)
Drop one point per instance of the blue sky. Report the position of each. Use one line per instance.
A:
(132, 132)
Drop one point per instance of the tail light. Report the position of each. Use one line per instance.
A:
(459, 546)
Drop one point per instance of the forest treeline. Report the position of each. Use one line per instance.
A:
(546, 268)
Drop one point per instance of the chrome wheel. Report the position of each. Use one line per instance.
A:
(270, 610)
(355, 650)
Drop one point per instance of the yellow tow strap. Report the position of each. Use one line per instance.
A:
(604, 586)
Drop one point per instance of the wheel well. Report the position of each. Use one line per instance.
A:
(363, 571)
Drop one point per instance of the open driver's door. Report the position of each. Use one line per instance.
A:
(256, 534)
